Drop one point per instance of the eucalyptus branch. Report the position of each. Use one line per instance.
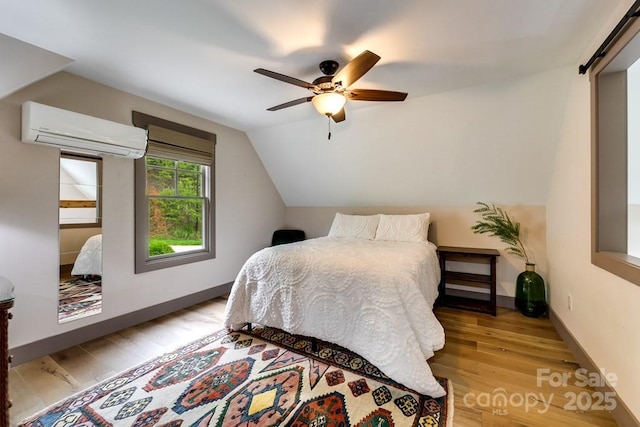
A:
(496, 222)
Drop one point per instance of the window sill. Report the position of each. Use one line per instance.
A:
(622, 265)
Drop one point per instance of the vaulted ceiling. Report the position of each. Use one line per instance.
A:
(199, 56)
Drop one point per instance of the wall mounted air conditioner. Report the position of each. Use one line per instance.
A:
(79, 133)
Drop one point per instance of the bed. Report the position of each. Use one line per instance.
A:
(89, 260)
(369, 286)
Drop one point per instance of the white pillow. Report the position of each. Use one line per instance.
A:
(403, 228)
(360, 226)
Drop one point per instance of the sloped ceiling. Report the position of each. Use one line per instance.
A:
(24, 64)
(492, 142)
(198, 56)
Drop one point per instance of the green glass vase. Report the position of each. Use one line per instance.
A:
(531, 297)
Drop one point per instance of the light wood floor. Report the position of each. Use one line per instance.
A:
(482, 354)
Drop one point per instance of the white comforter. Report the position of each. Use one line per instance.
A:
(372, 297)
(89, 260)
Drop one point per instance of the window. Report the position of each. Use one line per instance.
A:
(615, 101)
(80, 191)
(633, 161)
(174, 196)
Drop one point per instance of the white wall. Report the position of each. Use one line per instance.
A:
(493, 142)
(605, 314)
(248, 209)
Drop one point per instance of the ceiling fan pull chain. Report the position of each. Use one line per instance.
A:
(329, 135)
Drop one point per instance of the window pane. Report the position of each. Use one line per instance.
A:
(189, 184)
(161, 182)
(79, 185)
(175, 225)
(633, 160)
(165, 163)
(194, 167)
(78, 216)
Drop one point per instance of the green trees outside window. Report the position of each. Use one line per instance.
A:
(176, 200)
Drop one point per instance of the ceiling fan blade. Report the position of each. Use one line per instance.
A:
(291, 103)
(286, 79)
(374, 95)
(355, 69)
(339, 116)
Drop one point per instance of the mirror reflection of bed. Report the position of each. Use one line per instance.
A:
(80, 284)
(80, 291)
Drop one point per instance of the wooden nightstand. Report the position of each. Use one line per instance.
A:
(484, 281)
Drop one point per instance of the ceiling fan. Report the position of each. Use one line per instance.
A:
(331, 91)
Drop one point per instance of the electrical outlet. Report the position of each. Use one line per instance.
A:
(570, 302)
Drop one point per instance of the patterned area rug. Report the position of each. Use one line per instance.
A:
(79, 297)
(266, 377)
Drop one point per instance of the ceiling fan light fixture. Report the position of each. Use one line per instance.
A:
(329, 103)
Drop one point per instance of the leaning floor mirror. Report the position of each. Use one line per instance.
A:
(80, 218)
